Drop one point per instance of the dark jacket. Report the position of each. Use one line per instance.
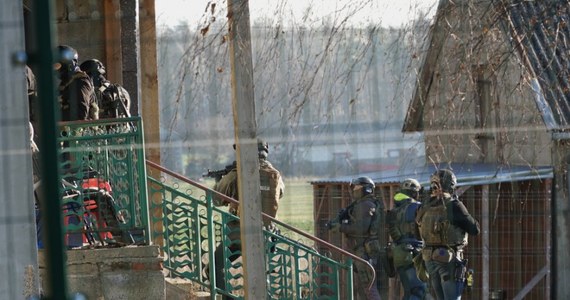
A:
(77, 95)
(458, 215)
(362, 216)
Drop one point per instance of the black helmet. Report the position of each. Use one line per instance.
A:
(67, 55)
(367, 184)
(67, 60)
(444, 179)
(93, 67)
(261, 146)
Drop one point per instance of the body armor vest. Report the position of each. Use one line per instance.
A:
(437, 230)
(404, 221)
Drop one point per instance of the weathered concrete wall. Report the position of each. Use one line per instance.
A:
(117, 273)
(182, 289)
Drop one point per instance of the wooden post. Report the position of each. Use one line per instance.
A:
(561, 216)
(485, 241)
(548, 233)
(149, 99)
(245, 127)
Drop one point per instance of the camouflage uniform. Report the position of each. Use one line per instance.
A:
(272, 189)
(112, 99)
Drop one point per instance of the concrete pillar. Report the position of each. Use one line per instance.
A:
(127, 273)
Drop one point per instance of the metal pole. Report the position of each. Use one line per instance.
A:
(18, 269)
(42, 57)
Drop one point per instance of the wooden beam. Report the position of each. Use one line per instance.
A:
(485, 241)
(245, 127)
(533, 282)
(149, 95)
(149, 79)
(547, 233)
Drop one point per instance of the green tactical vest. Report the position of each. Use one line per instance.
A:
(376, 228)
(436, 229)
(400, 227)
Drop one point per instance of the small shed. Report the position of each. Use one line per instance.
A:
(511, 203)
(493, 88)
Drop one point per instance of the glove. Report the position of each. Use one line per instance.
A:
(333, 226)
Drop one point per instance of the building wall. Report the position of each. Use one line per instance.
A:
(480, 107)
(118, 273)
(80, 24)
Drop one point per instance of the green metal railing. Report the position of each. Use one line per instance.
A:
(193, 227)
(103, 182)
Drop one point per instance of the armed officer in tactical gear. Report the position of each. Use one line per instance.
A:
(403, 229)
(113, 100)
(360, 225)
(272, 190)
(444, 224)
(76, 92)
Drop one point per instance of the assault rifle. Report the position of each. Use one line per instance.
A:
(218, 174)
(342, 216)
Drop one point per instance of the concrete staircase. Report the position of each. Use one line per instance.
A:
(182, 289)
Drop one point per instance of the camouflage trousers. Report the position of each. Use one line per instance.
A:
(366, 287)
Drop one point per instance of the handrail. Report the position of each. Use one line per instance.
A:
(298, 231)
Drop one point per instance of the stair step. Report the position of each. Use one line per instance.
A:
(182, 289)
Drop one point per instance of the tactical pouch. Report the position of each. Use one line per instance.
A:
(441, 255)
(420, 266)
(387, 259)
(372, 247)
(459, 272)
(403, 255)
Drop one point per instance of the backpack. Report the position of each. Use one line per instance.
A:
(115, 101)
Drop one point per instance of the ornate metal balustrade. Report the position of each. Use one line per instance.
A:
(193, 228)
(104, 182)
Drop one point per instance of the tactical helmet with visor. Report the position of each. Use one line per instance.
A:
(67, 59)
(364, 183)
(443, 180)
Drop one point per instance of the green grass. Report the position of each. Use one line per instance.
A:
(296, 206)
